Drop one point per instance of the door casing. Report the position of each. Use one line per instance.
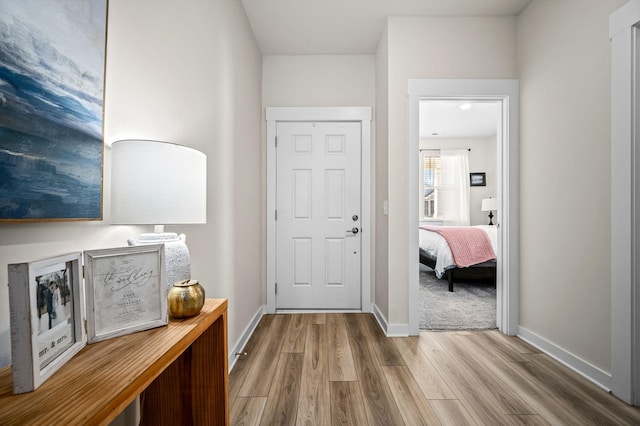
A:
(624, 33)
(318, 114)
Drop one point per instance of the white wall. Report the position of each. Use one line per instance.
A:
(564, 67)
(318, 80)
(381, 169)
(482, 158)
(438, 47)
(188, 73)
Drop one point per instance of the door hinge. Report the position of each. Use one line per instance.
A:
(276, 288)
(276, 214)
(276, 141)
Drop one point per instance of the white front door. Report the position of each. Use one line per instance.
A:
(318, 199)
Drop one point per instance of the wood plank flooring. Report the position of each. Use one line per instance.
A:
(340, 369)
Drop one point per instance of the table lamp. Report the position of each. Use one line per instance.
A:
(489, 204)
(159, 183)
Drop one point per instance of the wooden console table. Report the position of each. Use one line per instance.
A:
(180, 372)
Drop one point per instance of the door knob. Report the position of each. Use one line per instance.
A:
(353, 230)
(354, 217)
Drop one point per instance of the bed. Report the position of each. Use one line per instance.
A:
(478, 241)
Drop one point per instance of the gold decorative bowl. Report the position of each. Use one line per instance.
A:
(185, 299)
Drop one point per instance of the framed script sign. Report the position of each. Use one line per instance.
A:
(46, 314)
(126, 290)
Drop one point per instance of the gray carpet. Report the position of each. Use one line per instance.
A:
(472, 305)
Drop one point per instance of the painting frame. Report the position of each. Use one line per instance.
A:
(125, 290)
(39, 347)
(478, 179)
(52, 110)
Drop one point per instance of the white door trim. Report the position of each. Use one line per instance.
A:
(506, 92)
(625, 204)
(359, 114)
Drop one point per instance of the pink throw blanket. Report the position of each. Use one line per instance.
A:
(469, 245)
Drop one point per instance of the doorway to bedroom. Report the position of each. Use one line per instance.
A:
(457, 184)
(506, 94)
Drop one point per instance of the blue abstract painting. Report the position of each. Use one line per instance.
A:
(52, 64)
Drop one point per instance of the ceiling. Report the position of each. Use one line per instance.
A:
(443, 119)
(349, 27)
(354, 27)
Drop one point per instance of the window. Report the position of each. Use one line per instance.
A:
(431, 186)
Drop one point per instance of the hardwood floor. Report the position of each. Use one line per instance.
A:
(340, 369)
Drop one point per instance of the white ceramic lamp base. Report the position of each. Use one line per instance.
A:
(176, 254)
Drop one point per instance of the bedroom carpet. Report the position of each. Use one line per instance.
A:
(472, 306)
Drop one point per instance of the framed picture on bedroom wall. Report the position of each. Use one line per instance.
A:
(51, 109)
(478, 179)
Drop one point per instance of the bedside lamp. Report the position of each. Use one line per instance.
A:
(489, 204)
(159, 183)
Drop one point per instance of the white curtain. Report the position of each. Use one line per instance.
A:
(455, 186)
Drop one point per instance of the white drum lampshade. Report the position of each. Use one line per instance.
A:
(159, 183)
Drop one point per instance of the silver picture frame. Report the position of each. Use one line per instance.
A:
(125, 290)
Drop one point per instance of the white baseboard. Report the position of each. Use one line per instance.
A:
(390, 330)
(580, 366)
(244, 338)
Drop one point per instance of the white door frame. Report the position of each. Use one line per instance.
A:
(625, 204)
(507, 93)
(310, 114)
